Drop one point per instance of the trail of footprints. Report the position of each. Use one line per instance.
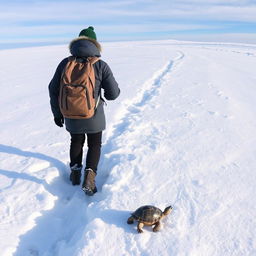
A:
(56, 189)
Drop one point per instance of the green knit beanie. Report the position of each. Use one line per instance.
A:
(89, 32)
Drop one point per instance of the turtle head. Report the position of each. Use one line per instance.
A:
(167, 210)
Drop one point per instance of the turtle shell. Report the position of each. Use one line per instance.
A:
(148, 214)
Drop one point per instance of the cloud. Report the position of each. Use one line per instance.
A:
(235, 10)
(45, 33)
(47, 20)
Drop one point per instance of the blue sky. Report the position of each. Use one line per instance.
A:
(34, 22)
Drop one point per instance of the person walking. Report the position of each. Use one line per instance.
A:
(84, 49)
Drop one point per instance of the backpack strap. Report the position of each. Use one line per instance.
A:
(93, 60)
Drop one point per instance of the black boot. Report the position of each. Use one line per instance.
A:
(89, 186)
(75, 175)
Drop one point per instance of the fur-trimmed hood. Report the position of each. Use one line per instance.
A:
(85, 47)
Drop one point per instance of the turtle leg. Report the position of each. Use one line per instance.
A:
(130, 220)
(139, 227)
(157, 226)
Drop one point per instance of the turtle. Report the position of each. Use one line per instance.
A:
(148, 215)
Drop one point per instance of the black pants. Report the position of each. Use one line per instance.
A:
(93, 153)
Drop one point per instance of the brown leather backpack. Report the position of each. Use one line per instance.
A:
(76, 97)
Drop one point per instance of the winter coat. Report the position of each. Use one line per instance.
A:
(104, 79)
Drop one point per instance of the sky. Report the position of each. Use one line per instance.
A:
(35, 22)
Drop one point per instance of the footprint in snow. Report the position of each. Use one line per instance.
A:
(213, 113)
(221, 95)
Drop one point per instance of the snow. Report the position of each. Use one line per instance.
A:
(182, 133)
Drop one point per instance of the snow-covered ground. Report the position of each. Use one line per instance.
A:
(182, 133)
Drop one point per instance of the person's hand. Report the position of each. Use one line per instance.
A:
(59, 121)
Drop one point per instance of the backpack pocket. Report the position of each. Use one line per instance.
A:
(76, 101)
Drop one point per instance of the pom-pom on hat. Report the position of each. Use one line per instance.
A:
(88, 32)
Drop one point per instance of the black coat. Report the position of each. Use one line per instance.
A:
(104, 80)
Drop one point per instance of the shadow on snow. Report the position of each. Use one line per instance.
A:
(67, 220)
